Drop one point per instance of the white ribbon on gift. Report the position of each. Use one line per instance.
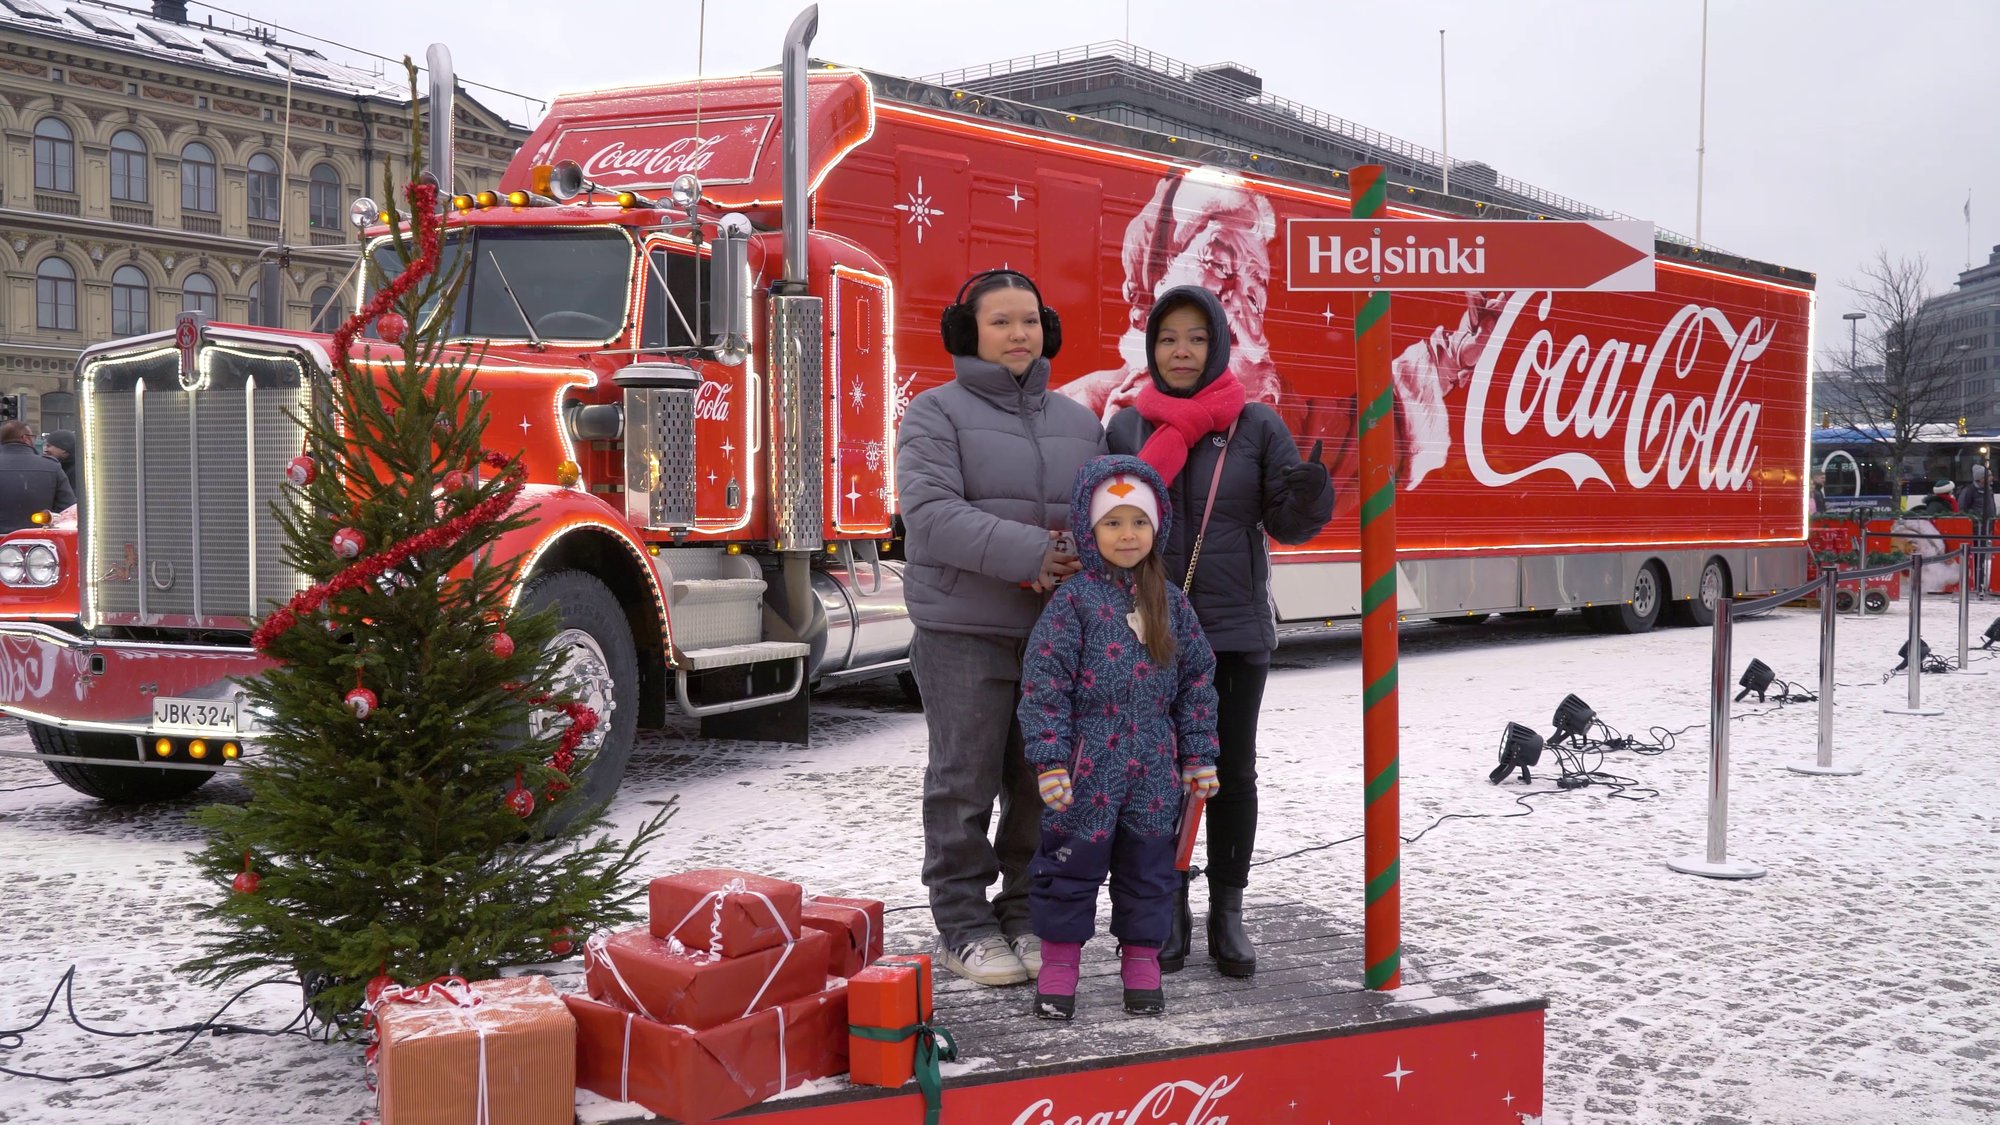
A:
(867, 923)
(459, 997)
(598, 947)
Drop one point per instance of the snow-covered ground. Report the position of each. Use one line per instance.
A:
(1858, 982)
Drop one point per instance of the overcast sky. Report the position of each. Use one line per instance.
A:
(1835, 127)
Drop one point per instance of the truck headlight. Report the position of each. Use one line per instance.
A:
(13, 566)
(44, 568)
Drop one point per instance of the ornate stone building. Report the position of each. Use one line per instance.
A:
(146, 163)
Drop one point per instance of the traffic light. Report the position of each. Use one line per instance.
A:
(12, 407)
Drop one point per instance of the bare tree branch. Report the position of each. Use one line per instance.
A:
(1903, 375)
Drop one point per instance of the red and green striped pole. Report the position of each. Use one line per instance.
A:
(1382, 937)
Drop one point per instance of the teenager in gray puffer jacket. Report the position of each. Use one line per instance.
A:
(1180, 426)
(984, 468)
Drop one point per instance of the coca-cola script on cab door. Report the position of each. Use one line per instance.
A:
(1161, 1105)
(711, 403)
(1672, 427)
(652, 154)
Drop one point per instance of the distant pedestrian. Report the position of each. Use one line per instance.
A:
(1818, 493)
(29, 482)
(1938, 503)
(60, 446)
(1975, 500)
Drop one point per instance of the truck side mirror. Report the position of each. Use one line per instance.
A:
(729, 290)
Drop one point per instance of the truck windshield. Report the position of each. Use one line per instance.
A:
(569, 284)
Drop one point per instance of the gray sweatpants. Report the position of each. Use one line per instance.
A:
(970, 684)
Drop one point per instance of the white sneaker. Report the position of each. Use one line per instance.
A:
(1028, 948)
(988, 960)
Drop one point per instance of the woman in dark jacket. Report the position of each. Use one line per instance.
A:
(1193, 414)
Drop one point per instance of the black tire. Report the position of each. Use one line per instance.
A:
(585, 606)
(1712, 586)
(117, 785)
(1642, 610)
(908, 682)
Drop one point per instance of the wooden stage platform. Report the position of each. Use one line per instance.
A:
(1301, 1042)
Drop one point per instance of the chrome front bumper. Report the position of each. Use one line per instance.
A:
(59, 679)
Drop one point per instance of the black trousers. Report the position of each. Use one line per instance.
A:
(1232, 812)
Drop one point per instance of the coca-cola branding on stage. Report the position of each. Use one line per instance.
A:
(1169, 1103)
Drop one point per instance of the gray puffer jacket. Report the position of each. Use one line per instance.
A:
(984, 467)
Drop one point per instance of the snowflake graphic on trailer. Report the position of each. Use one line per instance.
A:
(872, 452)
(905, 391)
(858, 396)
(919, 209)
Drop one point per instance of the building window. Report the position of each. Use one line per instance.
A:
(324, 201)
(55, 156)
(263, 189)
(198, 295)
(128, 167)
(55, 295)
(198, 178)
(130, 302)
(327, 313)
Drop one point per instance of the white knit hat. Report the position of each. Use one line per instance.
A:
(1124, 488)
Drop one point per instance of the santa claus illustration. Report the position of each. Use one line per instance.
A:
(1206, 227)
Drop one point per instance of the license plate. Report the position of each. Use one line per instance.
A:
(195, 714)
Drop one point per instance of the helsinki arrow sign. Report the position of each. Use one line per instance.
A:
(1400, 254)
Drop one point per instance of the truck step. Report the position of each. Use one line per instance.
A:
(716, 612)
(714, 591)
(732, 656)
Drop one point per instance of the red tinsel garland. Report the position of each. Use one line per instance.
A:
(582, 719)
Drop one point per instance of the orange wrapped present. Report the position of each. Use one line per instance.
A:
(495, 1052)
(662, 981)
(855, 924)
(890, 1035)
(722, 911)
(695, 1076)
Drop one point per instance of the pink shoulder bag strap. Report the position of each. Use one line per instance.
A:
(1207, 510)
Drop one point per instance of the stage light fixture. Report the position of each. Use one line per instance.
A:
(1573, 718)
(1520, 747)
(1757, 677)
(1903, 654)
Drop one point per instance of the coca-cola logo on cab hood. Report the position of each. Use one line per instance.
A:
(1677, 401)
(651, 154)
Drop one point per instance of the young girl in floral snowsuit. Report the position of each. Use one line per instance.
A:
(1118, 717)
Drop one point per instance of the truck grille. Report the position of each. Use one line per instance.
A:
(178, 529)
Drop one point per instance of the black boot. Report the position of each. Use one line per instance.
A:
(1180, 933)
(1227, 943)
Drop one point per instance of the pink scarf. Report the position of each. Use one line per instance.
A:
(1180, 422)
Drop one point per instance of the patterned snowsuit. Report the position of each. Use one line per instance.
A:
(1091, 700)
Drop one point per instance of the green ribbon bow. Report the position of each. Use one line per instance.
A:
(934, 1046)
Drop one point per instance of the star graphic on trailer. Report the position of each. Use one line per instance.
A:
(919, 209)
(853, 494)
(1015, 197)
(1328, 314)
(1399, 1074)
(727, 447)
(711, 476)
(524, 423)
(1509, 1099)
(859, 396)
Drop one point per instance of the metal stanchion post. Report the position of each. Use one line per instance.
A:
(1913, 652)
(1715, 863)
(1965, 614)
(1824, 766)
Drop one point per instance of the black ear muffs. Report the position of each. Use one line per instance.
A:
(960, 330)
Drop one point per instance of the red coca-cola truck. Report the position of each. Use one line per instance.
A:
(703, 307)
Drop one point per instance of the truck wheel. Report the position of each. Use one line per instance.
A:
(600, 668)
(119, 785)
(1642, 612)
(1699, 610)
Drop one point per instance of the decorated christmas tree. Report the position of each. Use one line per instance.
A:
(411, 812)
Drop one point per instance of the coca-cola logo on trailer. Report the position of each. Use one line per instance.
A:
(652, 154)
(1677, 426)
(1161, 1105)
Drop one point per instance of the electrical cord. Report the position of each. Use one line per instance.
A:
(11, 1039)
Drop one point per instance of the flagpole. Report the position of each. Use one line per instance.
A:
(1968, 228)
(1701, 139)
(1444, 119)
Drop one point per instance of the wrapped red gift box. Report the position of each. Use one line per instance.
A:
(894, 992)
(737, 911)
(855, 924)
(435, 1050)
(640, 973)
(698, 1075)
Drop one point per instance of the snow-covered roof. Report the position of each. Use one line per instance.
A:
(246, 53)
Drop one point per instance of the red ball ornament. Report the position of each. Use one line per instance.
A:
(391, 326)
(246, 880)
(559, 941)
(520, 799)
(349, 543)
(362, 702)
(458, 480)
(302, 471)
(500, 645)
